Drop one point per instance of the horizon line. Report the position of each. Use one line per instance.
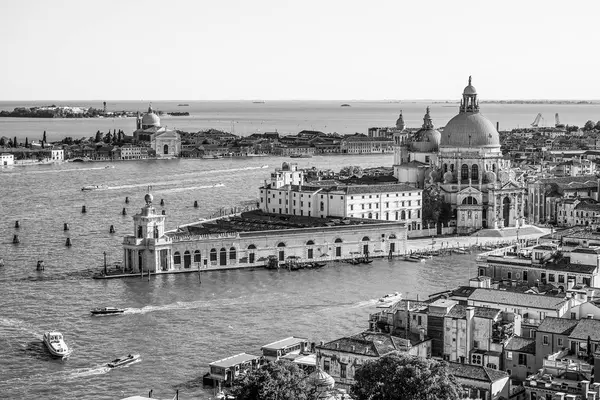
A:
(337, 100)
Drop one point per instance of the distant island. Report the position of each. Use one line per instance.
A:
(179, 113)
(54, 111)
(345, 105)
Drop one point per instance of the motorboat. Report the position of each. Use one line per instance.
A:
(391, 297)
(119, 362)
(93, 187)
(56, 345)
(109, 166)
(414, 258)
(300, 156)
(107, 310)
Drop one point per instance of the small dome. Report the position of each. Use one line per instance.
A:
(148, 198)
(470, 130)
(321, 380)
(150, 119)
(469, 89)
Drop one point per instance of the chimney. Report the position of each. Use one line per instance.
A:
(470, 315)
(585, 387)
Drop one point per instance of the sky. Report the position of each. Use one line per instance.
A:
(298, 50)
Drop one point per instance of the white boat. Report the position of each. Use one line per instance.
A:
(391, 298)
(93, 187)
(55, 344)
(119, 362)
(414, 258)
(107, 311)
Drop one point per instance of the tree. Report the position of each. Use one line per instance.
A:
(399, 376)
(98, 137)
(273, 381)
(2, 142)
(15, 143)
(435, 208)
(589, 125)
(597, 127)
(44, 137)
(352, 170)
(26, 142)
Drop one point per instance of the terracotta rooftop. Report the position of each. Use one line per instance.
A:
(586, 328)
(518, 299)
(520, 344)
(475, 372)
(560, 326)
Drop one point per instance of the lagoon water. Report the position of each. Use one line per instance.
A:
(176, 323)
(287, 117)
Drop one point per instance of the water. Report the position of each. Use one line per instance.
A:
(177, 324)
(286, 117)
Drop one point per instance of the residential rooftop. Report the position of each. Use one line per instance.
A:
(501, 297)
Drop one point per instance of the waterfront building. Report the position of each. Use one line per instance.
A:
(291, 345)
(519, 357)
(341, 358)
(7, 159)
(254, 239)
(481, 382)
(165, 142)
(361, 144)
(223, 372)
(57, 155)
(289, 193)
(543, 264)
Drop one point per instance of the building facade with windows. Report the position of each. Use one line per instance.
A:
(287, 193)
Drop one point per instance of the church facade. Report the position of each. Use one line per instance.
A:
(165, 142)
(464, 164)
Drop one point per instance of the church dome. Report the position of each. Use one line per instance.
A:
(470, 130)
(321, 380)
(427, 139)
(150, 119)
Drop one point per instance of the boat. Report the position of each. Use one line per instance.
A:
(93, 187)
(264, 166)
(391, 297)
(223, 396)
(55, 343)
(460, 251)
(425, 256)
(109, 166)
(119, 362)
(300, 156)
(183, 105)
(414, 258)
(345, 105)
(107, 311)
(365, 260)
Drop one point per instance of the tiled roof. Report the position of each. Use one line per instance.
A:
(374, 344)
(586, 328)
(520, 344)
(460, 311)
(517, 299)
(559, 326)
(475, 372)
(389, 188)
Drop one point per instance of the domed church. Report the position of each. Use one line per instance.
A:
(468, 169)
(166, 143)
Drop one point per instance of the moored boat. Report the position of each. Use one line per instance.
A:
(119, 362)
(56, 345)
(414, 258)
(93, 187)
(107, 310)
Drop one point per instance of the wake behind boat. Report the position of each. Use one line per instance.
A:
(389, 299)
(55, 344)
(93, 187)
(119, 362)
(107, 310)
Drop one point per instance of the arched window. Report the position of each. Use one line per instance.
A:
(475, 172)
(365, 239)
(370, 215)
(281, 244)
(156, 232)
(493, 167)
(213, 255)
(396, 215)
(177, 258)
(140, 232)
(232, 253)
(387, 216)
(322, 206)
(166, 149)
(187, 259)
(251, 255)
(197, 257)
(464, 172)
(469, 200)
(310, 243)
(223, 256)
(451, 167)
(402, 215)
(338, 240)
(445, 167)
(252, 247)
(392, 236)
